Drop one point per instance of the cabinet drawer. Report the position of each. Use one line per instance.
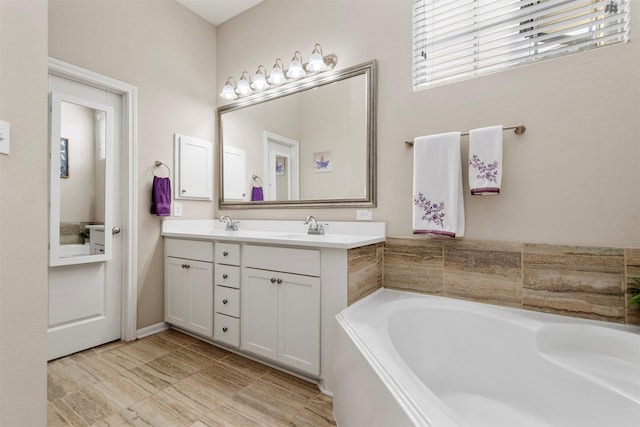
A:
(227, 329)
(227, 253)
(227, 275)
(288, 260)
(227, 301)
(189, 249)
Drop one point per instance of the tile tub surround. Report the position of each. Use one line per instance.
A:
(579, 281)
(172, 379)
(364, 270)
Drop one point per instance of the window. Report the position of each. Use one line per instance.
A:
(455, 40)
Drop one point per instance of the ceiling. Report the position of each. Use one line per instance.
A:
(218, 11)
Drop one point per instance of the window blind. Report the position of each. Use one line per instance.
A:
(459, 39)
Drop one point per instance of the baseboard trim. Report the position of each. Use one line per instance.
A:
(153, 329)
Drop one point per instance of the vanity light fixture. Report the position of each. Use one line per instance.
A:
(260, 79)
(295, 68)
(244, 84)
(279, 75)
(229, 89)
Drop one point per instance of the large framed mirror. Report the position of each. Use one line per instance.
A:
(308, 143)
(81, 133)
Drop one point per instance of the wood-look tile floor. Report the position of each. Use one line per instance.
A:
(172, 379)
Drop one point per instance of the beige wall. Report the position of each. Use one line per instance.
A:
(572, 178)
(23, 214)
(169, 54)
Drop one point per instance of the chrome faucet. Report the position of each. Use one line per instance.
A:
(314, 227)
(230, 224)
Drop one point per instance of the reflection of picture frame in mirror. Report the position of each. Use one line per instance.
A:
(64, 158)
(280, 165)
(322, 161)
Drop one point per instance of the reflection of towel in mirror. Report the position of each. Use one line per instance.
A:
(161, 196)
(256, 194)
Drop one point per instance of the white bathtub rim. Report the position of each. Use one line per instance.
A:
(405, 395)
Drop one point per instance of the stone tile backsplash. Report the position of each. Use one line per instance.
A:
(579, 281)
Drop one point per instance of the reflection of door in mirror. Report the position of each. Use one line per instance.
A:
(282, 166)
(235, 177)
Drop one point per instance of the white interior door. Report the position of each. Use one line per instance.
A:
(85, 300)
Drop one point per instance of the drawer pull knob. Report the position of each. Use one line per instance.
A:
(225, 253)
(225, 276)
(224, 301)
(225, 329)
(186, 266)
(273, 280)
(279, 281)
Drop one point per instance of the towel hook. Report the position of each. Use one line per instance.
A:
(256, 181)
(157, 164)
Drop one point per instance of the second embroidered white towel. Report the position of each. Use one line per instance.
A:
(485, 160)
(438, 205)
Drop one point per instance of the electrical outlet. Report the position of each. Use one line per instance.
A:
(364, 214)
(177, 209)
(5, 137)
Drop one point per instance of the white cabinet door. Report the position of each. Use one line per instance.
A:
(194, 168)
(189, 295)
(281, 318)
(299, 322)
(175, 293)
(259, 305)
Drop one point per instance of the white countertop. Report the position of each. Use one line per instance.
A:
(338, 234)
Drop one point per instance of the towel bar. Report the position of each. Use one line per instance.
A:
(157, 164)
(517, 129)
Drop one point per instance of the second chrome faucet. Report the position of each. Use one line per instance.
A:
(314, 227)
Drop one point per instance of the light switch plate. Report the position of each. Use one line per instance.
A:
(5, 137)
(177, 209)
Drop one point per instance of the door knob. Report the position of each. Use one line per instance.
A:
(115, 230)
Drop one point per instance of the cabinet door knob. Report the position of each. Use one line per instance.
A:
(224, 301)
(273, 280)
(225, 276)
(225, 253)
(225, 329)
(186, 266)
(279, 281)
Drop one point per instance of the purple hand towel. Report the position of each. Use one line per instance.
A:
(256, 194)
(161, 196)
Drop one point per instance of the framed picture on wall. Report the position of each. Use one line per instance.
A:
(64, 158)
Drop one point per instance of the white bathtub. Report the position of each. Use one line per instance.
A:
(408, 359)
(74, 250)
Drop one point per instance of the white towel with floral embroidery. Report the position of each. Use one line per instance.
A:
(485, 160)
(438, 204)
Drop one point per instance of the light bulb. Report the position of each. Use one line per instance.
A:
(228, 91)
(244, 87)
(316, 62)
(277, 75)
(295, 68)
(259, 80)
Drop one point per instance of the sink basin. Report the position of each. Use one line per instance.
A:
(222, 232)
(300, 236)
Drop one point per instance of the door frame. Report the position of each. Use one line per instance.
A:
(129, 94)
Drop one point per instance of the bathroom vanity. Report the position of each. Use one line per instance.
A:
(269, 290)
